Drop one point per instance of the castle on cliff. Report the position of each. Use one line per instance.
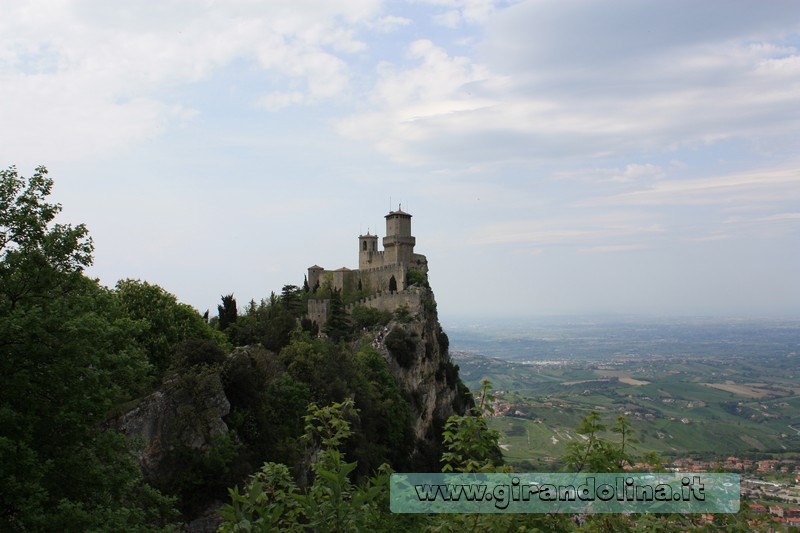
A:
(382, 274)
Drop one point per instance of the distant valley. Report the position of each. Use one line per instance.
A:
(709, 389)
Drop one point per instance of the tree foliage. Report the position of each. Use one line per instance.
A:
(470, 445)
(227, 312)
(269, 323)
(369, 317)
(402, 346)
(337, 327)
(68, 355)
(273, 501)
(416, 277)
(333, 502)
(597, 454)
(35, 254)
(291, 300)
(165, 322)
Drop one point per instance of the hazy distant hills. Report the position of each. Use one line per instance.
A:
(593, 339)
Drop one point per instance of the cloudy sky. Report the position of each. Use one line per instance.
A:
(623, 156)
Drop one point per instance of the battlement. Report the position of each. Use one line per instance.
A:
(388, 301)
(368, 260)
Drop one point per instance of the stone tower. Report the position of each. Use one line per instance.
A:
(398, 245)
(368, 254)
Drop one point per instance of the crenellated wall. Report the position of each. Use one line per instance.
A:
(378, 279)
(386, 301)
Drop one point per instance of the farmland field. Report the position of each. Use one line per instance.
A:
(716, 396)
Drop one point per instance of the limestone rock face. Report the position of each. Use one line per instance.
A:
(426, 373)
(186, 411)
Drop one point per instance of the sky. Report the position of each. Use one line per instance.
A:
(618, 157)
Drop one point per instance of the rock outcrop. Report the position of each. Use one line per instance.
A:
(186, 411)
(416, 350)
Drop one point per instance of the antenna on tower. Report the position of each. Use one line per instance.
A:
(390, 203)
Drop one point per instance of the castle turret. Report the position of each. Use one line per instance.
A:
(315, 276)
(368, 251)
(398, 245)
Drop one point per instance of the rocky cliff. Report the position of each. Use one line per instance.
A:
(416, 350)
(218, 419)
(186, 412)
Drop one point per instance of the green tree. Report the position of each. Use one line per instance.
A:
(591, 450)
(385, 432)
(34, 253)
(269, 323)
(337, 327)
(416, 277)
(194, 352)
(596, 453)
(278, 327)
(272, 501)
(402, 346)
(227, 312)
(166, 322)
(470, 445)
(290, 299)
(68, 355)
(323, 366)
(368, 317)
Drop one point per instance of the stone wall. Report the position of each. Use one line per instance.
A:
(318, 311)
(385, 301)
(377, 279)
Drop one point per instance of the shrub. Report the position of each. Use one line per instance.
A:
(403, 315)
(402, 347)
(415, 277)
(367, 317)
(191, 352)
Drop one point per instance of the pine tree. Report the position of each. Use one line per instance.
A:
(337, 326)
(227, 312)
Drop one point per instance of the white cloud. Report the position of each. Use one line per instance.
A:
(390, 23)
(459, 12)
(279, 100)
(89, 77)
(713, 236)
(767, 186)
(597, 230)
(635, 172)
(555, 80)
(765, 226)
(409, 103)
(613, 248)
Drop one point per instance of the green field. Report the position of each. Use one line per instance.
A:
(677, 406)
